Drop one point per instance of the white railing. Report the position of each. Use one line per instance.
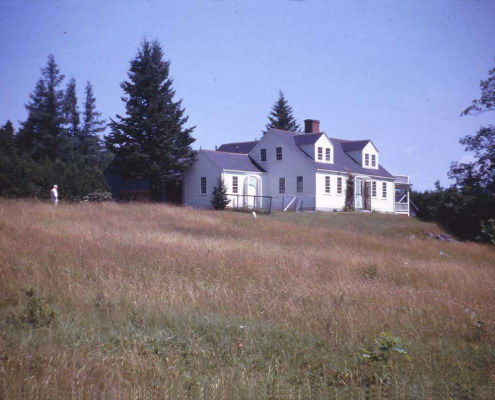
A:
(401, 179)
(402, 208)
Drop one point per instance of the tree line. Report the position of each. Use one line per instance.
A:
(467, 207)
(57, 143)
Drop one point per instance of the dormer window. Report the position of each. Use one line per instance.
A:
(278, 152)
(373, 160)
(366, 160)
(327, 154)
(320, 153)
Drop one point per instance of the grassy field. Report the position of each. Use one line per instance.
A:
(151, 301)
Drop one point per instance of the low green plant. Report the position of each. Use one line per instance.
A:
(377, 362)
(36, 312)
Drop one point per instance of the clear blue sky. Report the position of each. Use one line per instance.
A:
(396, 72)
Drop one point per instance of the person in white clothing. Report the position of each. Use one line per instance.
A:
(54, 195)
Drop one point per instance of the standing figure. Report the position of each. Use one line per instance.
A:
(54, 195)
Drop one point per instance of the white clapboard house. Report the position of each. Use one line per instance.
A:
(297, 171)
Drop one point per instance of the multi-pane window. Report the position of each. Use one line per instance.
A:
(203, 185)
(384, 190)
(320, 153)
(263, 155)
(373, 189)
(339, 185)
(281, 185)
(235, 184)
(327, 154)
(278, 151)
(373, 160)
(299, 186)
(327, 184)
(366, 160)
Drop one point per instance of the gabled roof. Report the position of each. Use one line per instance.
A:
(307, 138)
(232, 161)
(240, 147)
(353, 145)
(342, 161)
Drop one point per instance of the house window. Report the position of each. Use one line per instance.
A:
(278, 151)
(299, 187)
(339, 185)
(366, 160)
(263, 155)
(327, 154)
(384, 190)
(235, 184)
(327, 184)
(281, 185)
(373, 160)
(373, 189)
(203, 185)
(320, 153)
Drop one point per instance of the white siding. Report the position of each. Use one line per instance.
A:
(380, 204)
(290, 167)
(371, 151)
(192, 182)
(330, 201)
(237, 198)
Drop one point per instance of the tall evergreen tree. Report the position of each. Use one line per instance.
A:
(281, 116)
(42, 134)
(71, 110)
(150, 142)
(89, 138)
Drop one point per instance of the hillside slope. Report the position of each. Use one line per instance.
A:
(152, 301)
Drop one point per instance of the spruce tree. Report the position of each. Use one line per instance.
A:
(92, 126)
(219, 199)
(71, 111)
(281, 116)
(42, 134)
(150, 142)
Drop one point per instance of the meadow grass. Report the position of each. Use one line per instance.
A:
(154, 301)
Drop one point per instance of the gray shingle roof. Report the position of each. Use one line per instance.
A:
(307, 138)
(353, 145)
(240, 147)
(233, 161)
(342, 161)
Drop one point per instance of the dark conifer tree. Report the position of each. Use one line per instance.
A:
(281, 116)
(92, 126)
(150, 142)
(71, 110)
(42, 134)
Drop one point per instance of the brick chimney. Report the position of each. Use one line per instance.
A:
(311, 126)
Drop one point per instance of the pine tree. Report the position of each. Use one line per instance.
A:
(281, 116)
(71, 111)
(92, 126)
(150, 141)
(219, 199)
(42, 134)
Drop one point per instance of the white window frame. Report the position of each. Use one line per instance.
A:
(278, 154)
(263, 155)
(299, 184)
(366, 160)
(202, 185)
(327, 184)
(384, 190)
(339, 185)
(320, 153)
(373, 189)
(328, 154)
(373, 160)
(235, 184)
(281, 185)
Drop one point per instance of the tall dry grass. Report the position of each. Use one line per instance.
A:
(153, 301)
